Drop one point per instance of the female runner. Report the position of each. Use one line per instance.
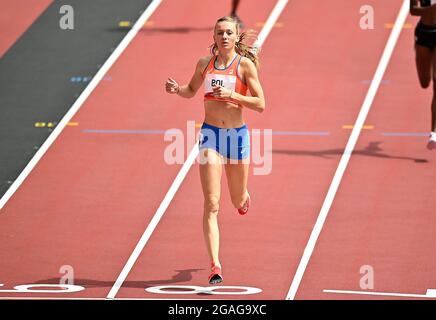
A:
(227, 75)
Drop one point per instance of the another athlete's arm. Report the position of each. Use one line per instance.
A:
(417, 10)
(189, 90)
(257, 100)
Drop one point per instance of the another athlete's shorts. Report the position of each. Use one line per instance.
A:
(233, 143)
(425, 35)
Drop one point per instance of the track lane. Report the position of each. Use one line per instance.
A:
(263, 249)
(16, 17)
(384, 211)
(303, 166)
(87, 201)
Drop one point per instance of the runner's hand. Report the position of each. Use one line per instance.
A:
(172, 86)
(221, 92)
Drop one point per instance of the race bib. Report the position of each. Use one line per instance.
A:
(222, 80)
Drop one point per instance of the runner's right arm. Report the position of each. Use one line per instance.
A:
(189, 90)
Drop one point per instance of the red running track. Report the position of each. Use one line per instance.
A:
(263, 249)
(90, 198)
(383, 216)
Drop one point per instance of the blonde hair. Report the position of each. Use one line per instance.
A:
(241, 47)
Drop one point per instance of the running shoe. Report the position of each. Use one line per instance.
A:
(244, 209)
(216, 275)
(432, 141)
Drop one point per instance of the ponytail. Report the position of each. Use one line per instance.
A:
(249, 51)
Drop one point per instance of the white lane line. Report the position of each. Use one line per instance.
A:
(270, 22)
(80, 100)
(47, 298)
(280, 5)
(103, 299)
(429, 295)
(367, 103)
(154, 221)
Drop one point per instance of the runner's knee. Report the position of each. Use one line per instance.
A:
(211, 204)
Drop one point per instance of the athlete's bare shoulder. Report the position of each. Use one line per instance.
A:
(247, 63)
(247, 68)
(203, 61)
(206, 58)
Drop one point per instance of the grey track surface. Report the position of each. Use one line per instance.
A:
(45, 71)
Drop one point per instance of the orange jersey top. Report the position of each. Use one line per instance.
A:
(228, 78)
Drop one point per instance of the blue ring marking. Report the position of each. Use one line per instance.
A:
(404, 134)
(276, 133)
(295, 133)
(129, 131)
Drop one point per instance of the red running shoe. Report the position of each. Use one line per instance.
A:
(244, 209)
(216, 275)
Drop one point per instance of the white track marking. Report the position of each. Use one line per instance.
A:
(272, 19)
(47, 298)
(280, 5)
(106, 299)
(367, 103)
(80, 100)
(429, 294)
(154, 221)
